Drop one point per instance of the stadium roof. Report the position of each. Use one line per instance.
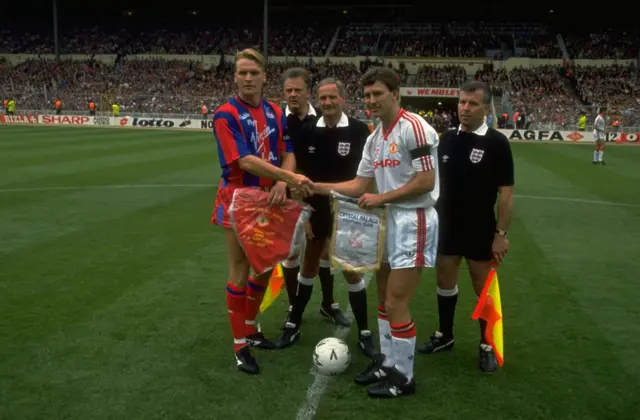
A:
(75, 10)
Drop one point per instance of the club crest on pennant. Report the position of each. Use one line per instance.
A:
(356, 238)
(344, 148)
(476, 155)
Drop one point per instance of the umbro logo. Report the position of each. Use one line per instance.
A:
(445, 158)
(312, 149)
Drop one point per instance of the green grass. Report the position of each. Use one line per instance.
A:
(112, 299)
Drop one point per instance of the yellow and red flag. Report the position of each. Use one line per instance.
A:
(276, 283)
(489, 308)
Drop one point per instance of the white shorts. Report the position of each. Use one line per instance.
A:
(412, 237)
(599, 136)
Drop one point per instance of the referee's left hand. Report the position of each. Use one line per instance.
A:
(499, 248)
(370, 201)
(278, 194)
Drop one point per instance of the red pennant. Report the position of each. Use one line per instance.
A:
(266, 232)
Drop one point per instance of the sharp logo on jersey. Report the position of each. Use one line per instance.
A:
(476, 155)
(269, 114)
(344, 148)
(393, 148)
(245, 116)
(386, 163)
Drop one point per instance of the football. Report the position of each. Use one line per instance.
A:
(331, 356)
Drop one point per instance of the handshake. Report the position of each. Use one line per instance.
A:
(301, 186)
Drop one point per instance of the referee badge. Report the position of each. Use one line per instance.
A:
(344, 148)
(476, 155)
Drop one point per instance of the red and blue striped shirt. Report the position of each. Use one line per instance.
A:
(242, 130)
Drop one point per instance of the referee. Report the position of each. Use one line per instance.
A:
(301, 113)
(329, 151)
(476, 169)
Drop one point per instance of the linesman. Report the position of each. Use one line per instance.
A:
(476, 169)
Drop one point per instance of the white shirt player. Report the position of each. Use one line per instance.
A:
(598, 128)
(387, 157)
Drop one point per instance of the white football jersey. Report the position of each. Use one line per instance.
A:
(598, 127)
(395, 157)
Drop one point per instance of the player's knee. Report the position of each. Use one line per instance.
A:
(352, 277)
(292, 262)
(397, 299)
(478, 271)
(447, 268)
(263, 278)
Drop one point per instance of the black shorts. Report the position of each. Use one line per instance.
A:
(472, 241)
(321, 218)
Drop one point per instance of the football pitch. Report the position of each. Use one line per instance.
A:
(112, 293)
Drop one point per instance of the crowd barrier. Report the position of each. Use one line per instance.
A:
(206, 125)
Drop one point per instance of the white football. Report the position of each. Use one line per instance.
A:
(331, 356)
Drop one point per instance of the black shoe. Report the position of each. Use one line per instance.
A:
(290, 334)
(335, 315)
(437, 343)
(595, 162)
(394, 385)
(487, 359)
(246, 362)
(259, 341)
(373, 373)
(365, 342)
(602, 162)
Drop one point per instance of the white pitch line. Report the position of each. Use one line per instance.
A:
(578, 200)
(318, 387)
(143, 186)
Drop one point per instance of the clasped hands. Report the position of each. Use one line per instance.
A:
(301, 187)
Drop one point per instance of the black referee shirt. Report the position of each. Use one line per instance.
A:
(331, 154)
(472, 166)
(295, 124)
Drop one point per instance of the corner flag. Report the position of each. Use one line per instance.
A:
(489, 308)
(276, 283)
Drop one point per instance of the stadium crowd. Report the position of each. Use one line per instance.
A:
(548, 95)
(454, 39)
(603, 45)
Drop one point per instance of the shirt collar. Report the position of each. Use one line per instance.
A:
(481, 131)
(310, 110)
(344, 121)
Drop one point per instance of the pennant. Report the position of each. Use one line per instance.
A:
(357, 240)
(268, 234)
(489, 308)
(275, 286)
